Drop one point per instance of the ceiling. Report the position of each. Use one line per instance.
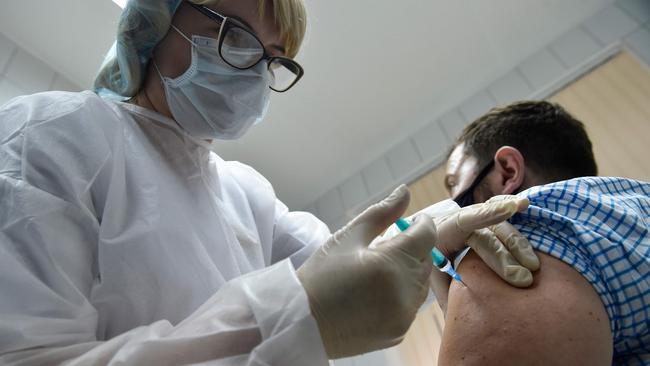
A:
(376, 71)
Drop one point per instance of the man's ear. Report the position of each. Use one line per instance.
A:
(510, 166)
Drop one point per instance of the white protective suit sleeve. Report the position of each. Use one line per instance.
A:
(297, 235)
(262, 318)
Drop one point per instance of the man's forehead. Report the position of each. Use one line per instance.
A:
(459, 162)
(460, 170)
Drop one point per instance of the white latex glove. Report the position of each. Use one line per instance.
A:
(500, 246)
(362, 298)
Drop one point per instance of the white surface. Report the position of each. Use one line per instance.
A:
(403, 158)
(9, 91)
(575, 47)
(7, 49)
(452, 123)
(330, 206)
(61, 83)
(510, 87)
(476, 105)
(29, 73)
(639, 9)
(639, 43)
(376, 71)
(431, 142)
(542, 68)
(21, 73)
(120, 3)
(610, 24)
(72, 36)
(353, 191)
(379, 358)
(378, 176)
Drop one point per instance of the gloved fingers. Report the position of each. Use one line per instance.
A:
(454, 229)
(424, 271)
(416, 242)
(523, 201)
(482, 215)
(418, 278)
(494, 253)
(376, 218)
(424, 288)
(517, 244)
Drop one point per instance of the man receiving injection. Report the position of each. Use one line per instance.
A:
(500, 246)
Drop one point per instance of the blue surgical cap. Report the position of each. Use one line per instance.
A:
(142, 25)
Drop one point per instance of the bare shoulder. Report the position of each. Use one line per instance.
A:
(560, 320)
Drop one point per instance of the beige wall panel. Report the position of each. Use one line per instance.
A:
(613, 101)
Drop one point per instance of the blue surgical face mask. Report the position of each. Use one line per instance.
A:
(214, 100)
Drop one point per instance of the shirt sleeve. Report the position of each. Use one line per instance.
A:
(599, 227)
(296, 235)
(47, 272)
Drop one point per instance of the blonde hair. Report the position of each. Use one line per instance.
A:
(290, 16)
(144, 23)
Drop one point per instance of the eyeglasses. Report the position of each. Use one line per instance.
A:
(241, 49)
(466, 198)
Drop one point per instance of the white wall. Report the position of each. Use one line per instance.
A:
(21, 73)
(625, 24)
(379, 358)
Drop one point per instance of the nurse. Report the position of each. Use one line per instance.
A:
(125, 240)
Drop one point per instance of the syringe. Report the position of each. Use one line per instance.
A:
(439, 260)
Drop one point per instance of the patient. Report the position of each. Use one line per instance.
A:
(590, 301)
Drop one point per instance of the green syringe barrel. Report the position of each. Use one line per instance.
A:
(439, 260)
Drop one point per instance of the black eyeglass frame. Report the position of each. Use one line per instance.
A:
(466, 198)
(227, 23)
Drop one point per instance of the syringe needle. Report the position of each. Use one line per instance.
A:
(439, 260)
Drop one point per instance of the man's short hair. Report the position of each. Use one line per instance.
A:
(554, 144)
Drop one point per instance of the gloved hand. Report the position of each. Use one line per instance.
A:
(362, 298)
(500, 246)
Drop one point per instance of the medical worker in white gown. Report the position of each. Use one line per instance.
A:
(125, 240)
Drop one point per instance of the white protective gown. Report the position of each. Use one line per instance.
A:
(124, 241)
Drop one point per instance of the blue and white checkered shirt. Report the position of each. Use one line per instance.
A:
(600, 227)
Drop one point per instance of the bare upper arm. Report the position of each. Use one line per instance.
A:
(560, 320)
